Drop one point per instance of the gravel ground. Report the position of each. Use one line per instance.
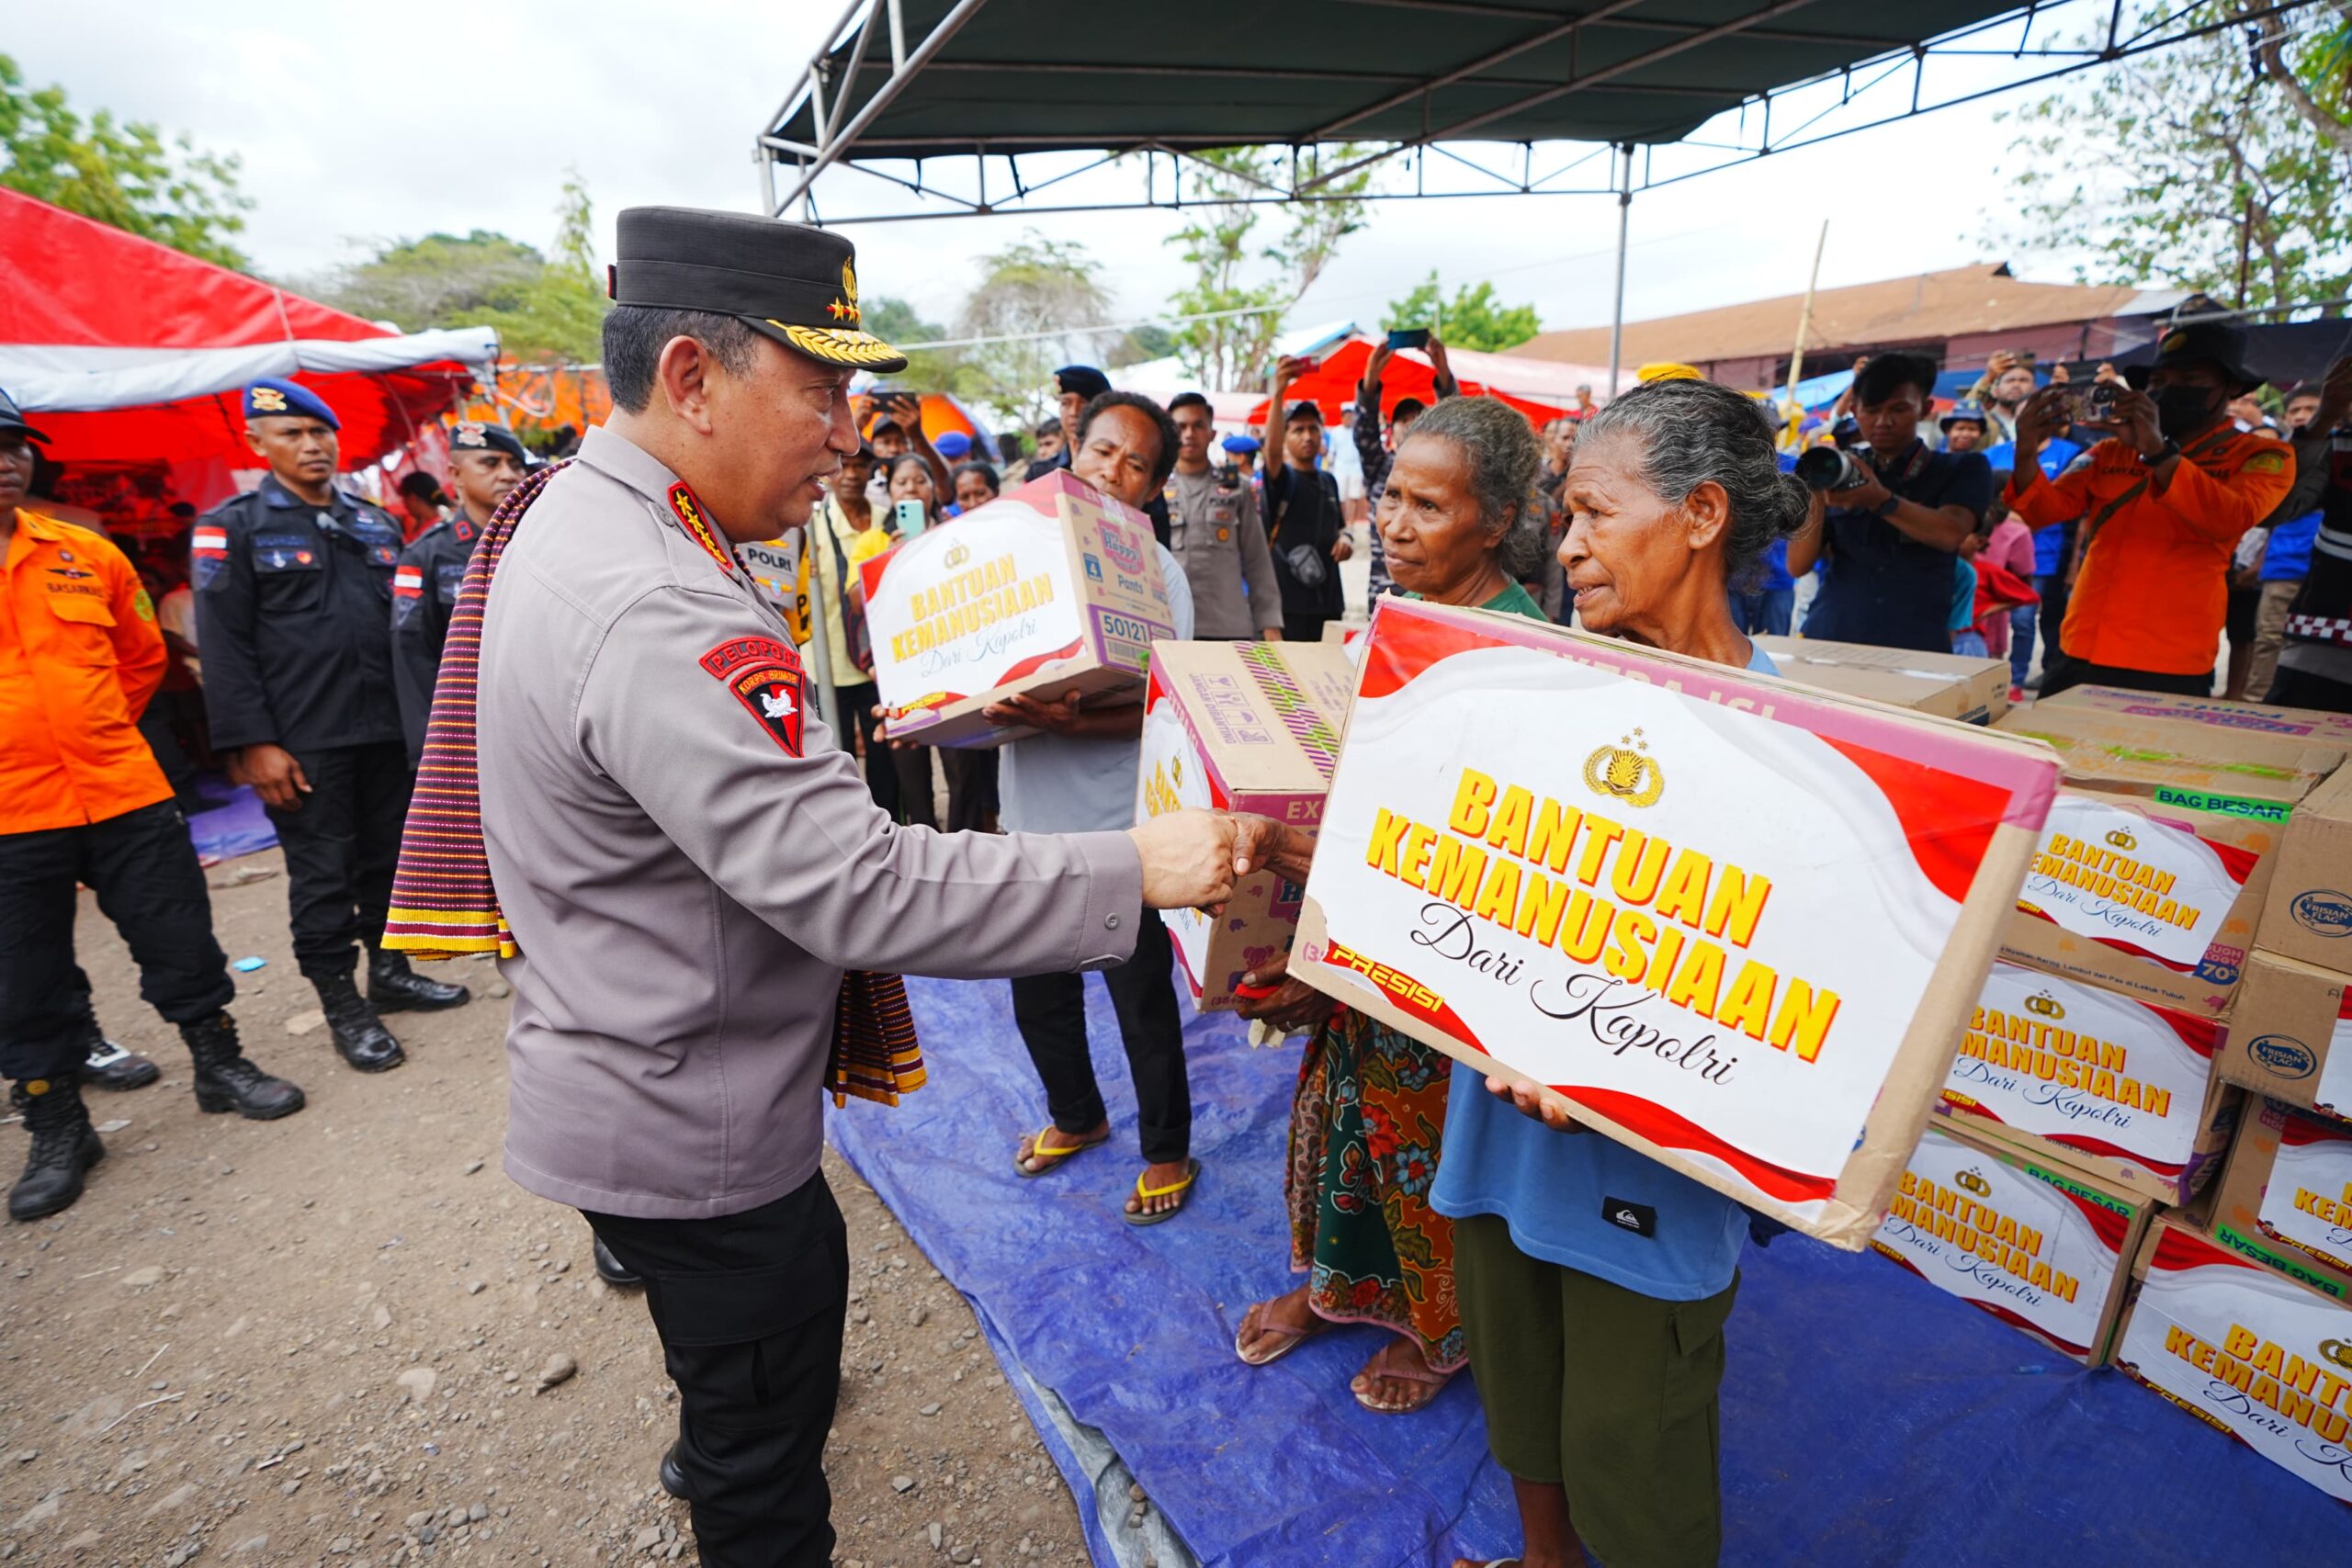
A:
(348, 1339)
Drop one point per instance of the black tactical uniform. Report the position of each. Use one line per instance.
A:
(424, 589)
(291, 605)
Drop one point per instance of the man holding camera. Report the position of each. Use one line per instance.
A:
(1895, 514)
(2163, 501)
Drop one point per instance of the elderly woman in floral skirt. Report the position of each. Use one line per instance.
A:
(1460, 523)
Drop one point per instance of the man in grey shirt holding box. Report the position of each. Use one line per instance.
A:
(688, 863)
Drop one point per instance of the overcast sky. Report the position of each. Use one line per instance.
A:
(361, 124)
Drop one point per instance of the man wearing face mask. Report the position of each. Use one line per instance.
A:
(2162, 500)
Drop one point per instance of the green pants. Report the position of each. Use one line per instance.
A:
(1601, 1390)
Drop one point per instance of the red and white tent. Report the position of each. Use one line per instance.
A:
(127, 351)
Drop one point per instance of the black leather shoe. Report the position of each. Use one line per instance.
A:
(65, 1146)
(360, 1037)
(226, 1079)
(673, 1479)
(108, 1065)
(393, 986)
(610, 1269)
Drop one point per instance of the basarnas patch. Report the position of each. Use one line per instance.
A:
(764, 675)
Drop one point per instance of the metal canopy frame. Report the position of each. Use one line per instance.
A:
(1888, 83)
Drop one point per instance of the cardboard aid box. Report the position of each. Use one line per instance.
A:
(2042, 1249)
(2290, 1034)
(1946, 685)
(2286, 1197)
(2153, 893)
(2248, 731)
(1052, 586)
(2244, 1349)
(2121, 1088)
(1242, 727)
(2308, 914)
(1733, 923)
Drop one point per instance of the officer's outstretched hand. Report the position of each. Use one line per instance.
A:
(274, 775)
(1187, 859)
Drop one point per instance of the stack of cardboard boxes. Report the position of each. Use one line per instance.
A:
(2142, 1159)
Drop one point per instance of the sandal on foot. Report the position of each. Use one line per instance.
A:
(1052, 1156)
(1433, 1381)
(1137, 1217)
(1290, 1337)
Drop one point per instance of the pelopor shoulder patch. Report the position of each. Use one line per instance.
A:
(687, 509)
(2265, 463)
(764, 675)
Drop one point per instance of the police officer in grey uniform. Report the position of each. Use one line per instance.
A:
(1215, 534)
(486, 461)
(293, 592)
(688, 862)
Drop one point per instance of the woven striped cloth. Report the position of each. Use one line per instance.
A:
(443, 900)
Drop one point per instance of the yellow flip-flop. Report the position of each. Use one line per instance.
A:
(1053, 1156)
(1191, 1173)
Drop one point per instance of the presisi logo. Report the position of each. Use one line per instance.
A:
(2286, 1057)
(2122, 840)
(1404, 988)
(1973, 1182)
(1626, 771)
(2042, 1004)
(2324, 912)
(957, 556)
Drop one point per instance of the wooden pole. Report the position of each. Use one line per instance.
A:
(1804, 324)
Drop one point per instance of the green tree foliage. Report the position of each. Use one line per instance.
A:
(2224, 158)
(543, 310)
(1474, 319)
(1045, 301)
(1240, 290)
(120, 172)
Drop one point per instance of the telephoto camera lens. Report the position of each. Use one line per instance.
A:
(1828, 468)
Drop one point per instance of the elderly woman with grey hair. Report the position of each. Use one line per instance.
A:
(1460, 523)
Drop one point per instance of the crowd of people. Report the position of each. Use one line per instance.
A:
(377, 678)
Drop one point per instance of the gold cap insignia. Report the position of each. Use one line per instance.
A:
(2173, 340)
(267, 399)
(1626, 771)
(845, 308)
(1973, 1182)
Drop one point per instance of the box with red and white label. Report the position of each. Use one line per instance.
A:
(2286, 1197)
(2290, 1034)
(2040, 1248)
(2242, 1347)
(2120, 1087)
(1732, 922)
(1242, 727)
(2153, 893)
(1053, 587)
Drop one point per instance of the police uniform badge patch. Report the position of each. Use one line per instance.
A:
(687, 509)
(2266, 463)
(764, 675)
(408, 586)
(206, 548)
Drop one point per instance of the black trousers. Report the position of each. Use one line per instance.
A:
(144, 870)
(341, 845)
(2301, 689)
(2064, 671)
(1304, 629)
(1051, 1011)
(971, 790)
(749, 1308)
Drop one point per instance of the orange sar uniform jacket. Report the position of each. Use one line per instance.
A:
(2154, 589)
(80, 654)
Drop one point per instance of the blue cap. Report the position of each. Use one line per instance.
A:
(272, 397)
(951, 445)
(1961, 412)
(1242, 444)
(1083, 379)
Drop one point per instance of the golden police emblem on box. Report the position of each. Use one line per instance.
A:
(1626, 771)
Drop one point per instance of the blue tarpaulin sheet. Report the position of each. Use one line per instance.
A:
(1868, 1418)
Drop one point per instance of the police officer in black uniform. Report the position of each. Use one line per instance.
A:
(485, 462)
(293, 592)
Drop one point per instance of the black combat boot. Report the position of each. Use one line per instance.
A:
(393, 986)
(226, 1081)
(360, 1037)
(611, 1270)
(672, 1475)
(65, 1146)
(108, 1066)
